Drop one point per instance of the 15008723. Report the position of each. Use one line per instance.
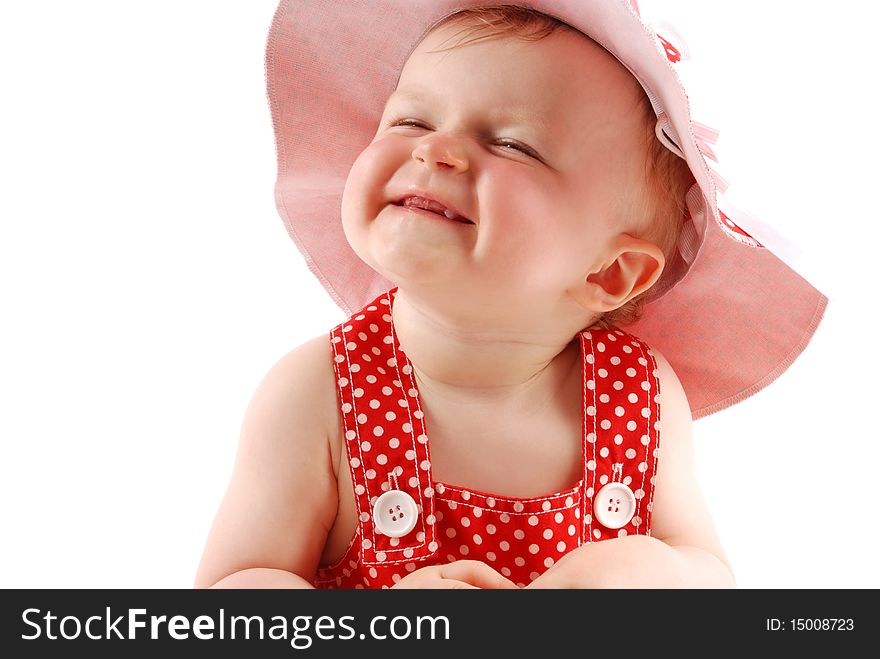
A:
(810, 624)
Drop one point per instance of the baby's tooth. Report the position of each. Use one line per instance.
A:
(448, 213)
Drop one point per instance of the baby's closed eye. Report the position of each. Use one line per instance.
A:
(503, 143)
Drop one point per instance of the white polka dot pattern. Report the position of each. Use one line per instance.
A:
(387, 446)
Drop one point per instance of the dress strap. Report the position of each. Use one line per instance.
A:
(385, 438)
(621, 434)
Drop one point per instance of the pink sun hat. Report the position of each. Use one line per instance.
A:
(729, 315)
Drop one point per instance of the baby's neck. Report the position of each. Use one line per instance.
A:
(471, 360)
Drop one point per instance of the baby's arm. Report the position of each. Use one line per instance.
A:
(683, 550)
(272, 524)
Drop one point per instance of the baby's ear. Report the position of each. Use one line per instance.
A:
(632, 267)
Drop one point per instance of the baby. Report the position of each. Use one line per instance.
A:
(483, 423)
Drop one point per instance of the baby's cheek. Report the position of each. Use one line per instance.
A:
(366, 187)
(365, 195)
(355, 186)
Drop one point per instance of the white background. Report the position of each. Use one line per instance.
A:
(147, 283)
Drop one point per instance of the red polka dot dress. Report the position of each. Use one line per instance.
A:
(407, 520)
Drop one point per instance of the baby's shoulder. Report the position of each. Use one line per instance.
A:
(308, 365)
(299, 391)
(676, 410)
(304, 371)
(669, 381)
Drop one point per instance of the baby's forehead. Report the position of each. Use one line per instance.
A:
(565, 70)
(566, 54)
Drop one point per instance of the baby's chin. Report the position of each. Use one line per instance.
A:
(406, 269)
(405, 250)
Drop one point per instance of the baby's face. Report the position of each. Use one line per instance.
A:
(536, 147)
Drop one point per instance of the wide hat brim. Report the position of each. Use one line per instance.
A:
(730, 315)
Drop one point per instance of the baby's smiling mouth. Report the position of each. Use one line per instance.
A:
(427, 204)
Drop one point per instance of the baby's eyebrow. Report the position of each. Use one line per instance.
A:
(407, 94)
(412, 92)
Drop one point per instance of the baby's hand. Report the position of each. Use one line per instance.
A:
(456, 575)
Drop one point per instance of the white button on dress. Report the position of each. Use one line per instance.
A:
(395, 513)
(614, 505)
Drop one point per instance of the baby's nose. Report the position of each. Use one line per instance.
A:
(437, 151)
